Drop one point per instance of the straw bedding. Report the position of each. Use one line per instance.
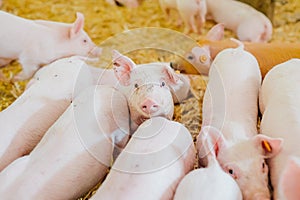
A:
(103, 21)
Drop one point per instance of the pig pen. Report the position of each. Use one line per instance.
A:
(103, 21)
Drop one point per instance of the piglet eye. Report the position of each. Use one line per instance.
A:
(232, 173)
(163, 84)
(136, 85)
(263, 165)
(85, 41)
(190, 57)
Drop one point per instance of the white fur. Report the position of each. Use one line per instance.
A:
(248, 23)
(280, 105)
(75, 153)
(49, 93)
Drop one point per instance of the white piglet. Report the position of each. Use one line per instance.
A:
(230, 116)
(75, 153)
(40, 42)
(280, 107)
(49, 93)
(157, 156)
(248, 23)
(147, 88)
(208, 183)
(192, 12)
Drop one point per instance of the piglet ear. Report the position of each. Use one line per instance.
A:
(122, 66)
(216, 32)
(212, 141)
(77, 25)
(268, 146)
(290, 179)
(171, 77)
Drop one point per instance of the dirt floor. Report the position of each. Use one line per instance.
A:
(103, 21)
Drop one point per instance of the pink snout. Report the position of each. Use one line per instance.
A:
(149, 106)
(96, 52)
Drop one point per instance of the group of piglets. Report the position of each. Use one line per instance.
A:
(198, 59)
(73, 120)
(245, 21)
(229, 134)
(67, 130)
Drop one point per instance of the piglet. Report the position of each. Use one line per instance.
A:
(208, 183)
(107, 77)
(49, 93)
(158, 155)
(40, 42)
(75, 153)
(280, 107)
(230, 117)
(147, 88)
(248, 23)
(192, 12)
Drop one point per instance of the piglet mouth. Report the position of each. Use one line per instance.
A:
(142, 119)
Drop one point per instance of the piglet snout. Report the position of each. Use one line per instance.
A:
(149, 106)
(96, 52)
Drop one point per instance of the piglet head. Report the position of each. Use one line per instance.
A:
(198, 59)
(146, 87)
(80, 42)
(245, 161)
(200, 56)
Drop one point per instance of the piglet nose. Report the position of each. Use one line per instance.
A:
(149, 106)
(96, 51)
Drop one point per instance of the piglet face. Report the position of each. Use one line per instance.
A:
(147, 88)
(196, 61)
(200, 58)
(149, 94)
(80, 42)
(247, 166)
(245, 161)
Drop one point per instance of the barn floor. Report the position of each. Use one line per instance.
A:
(103, 21)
